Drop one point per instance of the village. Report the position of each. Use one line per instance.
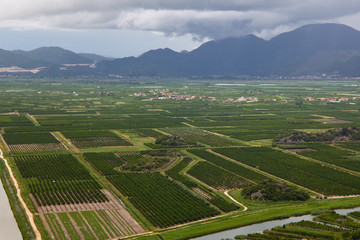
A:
(166, 94)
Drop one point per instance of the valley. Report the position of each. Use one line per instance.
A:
(168, 158)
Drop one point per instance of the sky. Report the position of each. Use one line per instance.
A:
(121, 28)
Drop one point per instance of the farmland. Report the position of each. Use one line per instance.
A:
(130, 165)
(91, 139)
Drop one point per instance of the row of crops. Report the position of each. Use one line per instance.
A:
(161, 201)
(92, 225)
(146, 132)
(14, 120)
(32, 143)
(91, 139)
(191, 134)
(58, 179)
(45, 142)
(107, 122)
(229, 166)
(217, 177)
(212, 197)
(104, 162)
(29, 138)
(309, 174)
(332, 155)
(144, 196)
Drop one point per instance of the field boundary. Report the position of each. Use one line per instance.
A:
(33, 120)
(235, 201)
(264, 173)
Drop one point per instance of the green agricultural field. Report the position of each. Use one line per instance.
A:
(312, 175)
(216, 177)
(170, 205)
(92, 139)
(29, 138)
(130, 164)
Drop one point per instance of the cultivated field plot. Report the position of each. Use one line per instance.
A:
(109, 119)
(31, 142)
(109, 163)
(351, 145)
(247, 135)
(309, 174)
(332, 155)
(211, 196)
(58, 179)
(93, 139)
(60, 186)
(147, 132)
(14, 120)
(237, 169)
(100, 224)
(195, 135)
(161, 201)
(331, 120)
(105, 162)
(216, 177)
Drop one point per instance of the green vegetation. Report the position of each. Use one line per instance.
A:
(229, 166)
(325, 226)
(104, 162)
(169, 206)
(217, 177)
(333, 135)
(29, 138)
(150, 160)
(274, 191)
(211, 196)
(305, 173)
(92, 139)
(173, 141)
(173, 162)
(332, 155)
(58, 179)
(194, 135)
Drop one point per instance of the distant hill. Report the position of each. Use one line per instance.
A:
(9, 59)
(55, 55)
(311, 49)
(314, 49)
(94, 57)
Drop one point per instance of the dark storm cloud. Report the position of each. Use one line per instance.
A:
(201, 18)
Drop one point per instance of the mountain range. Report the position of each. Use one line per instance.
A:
(316, 49)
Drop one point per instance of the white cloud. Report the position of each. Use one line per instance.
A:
(201, 18)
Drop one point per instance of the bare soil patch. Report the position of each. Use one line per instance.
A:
(202, 193)
(111, 204)
(331, 120)
(122, 223)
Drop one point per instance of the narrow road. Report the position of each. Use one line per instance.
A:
(18, 191)
(233, 199)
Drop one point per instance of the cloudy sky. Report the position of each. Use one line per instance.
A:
(121, 28)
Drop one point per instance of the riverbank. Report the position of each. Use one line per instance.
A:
(19, 204)
(8, 226)
(253, 216)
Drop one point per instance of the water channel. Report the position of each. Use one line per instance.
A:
(8, 226)
(260, 227)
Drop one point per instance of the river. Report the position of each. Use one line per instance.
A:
(260, 227)
(8, 226)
